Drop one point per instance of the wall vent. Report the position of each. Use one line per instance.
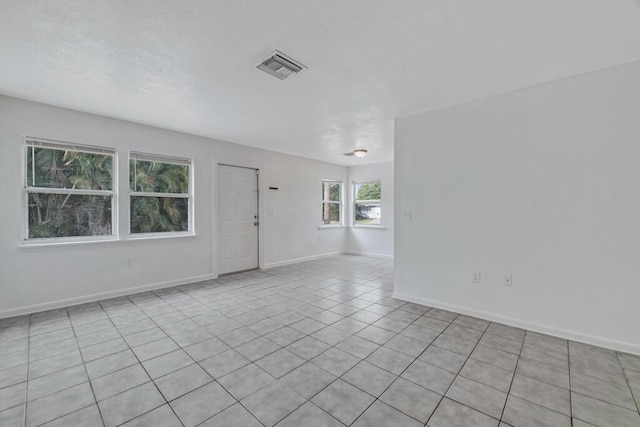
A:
(280, 65)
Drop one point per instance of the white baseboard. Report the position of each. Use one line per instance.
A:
(532, 326)
(371, 254)
(297, 260)
(35, 308)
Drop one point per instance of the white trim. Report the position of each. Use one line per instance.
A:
(94, 240)
(340, 202)
(189, 195)
(356, 202)
(52, 144)
(71, 191)
(331, 226)
(35, 308)
(152, 194)
(626, 347)
(66, 241)
(159, 158)
(371, 254)
(375, 227)
(31, 142)
(217, 219)
(159, 235)
(297, 260)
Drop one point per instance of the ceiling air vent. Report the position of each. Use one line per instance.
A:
(280, 65)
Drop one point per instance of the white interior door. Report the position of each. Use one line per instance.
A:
(238, 218)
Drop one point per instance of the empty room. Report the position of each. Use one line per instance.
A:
(301, 213)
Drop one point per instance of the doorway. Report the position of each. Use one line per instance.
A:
(238, 219)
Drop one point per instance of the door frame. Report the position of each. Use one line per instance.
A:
(217, 220)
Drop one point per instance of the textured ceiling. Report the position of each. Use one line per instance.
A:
(190, 65)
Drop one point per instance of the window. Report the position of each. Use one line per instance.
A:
(331, 202)
(69, 190)
(160, 194)
(367, 207)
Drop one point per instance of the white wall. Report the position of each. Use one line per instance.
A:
(542, 183)
(374, 241)
(38, 278)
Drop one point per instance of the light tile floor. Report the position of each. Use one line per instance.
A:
(320, 343)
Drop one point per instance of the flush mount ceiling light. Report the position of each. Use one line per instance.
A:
(358, 152)
(280, 65)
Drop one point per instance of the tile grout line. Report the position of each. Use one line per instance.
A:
(458, 373)
(26, 386)
(570, 385)
(515, 369)
(570, 390)
(441, 333)
(361, 359)
(529, 377)
(306, 361)
(142, 366)
(214, 380)
(244, 326)
(545, 383)
(167, 302)
(55, 372)
(304, 288)
(624, 374)
(418, 357)
(355, 334)
(195, 362)
(84, 365)
(376, 399)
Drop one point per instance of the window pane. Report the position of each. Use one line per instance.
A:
(331, 213)
(367, 213)
(331, 191)
(53, 168)
(158, 177)
(159, 214)
(368, 190)
(63, 215)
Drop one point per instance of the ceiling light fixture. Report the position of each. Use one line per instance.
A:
(360, 153)
(280, 65)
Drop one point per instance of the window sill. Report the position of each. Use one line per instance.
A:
(50, 243)
(375, 227)
(328, 227)
(153, 236)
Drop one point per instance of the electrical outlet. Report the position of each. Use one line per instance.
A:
(129, 262)
(475, 278)
(406, 215)
(508, 280)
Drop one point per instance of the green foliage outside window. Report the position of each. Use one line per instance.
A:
(367, 208)
(158, 177)
(153, 214)
(66, 214)
(368, 191)
(331, 194)
(70, 192)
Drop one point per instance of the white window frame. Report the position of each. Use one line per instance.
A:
(183, 161)
(339, 202)
(34, 142)
(357, 202)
